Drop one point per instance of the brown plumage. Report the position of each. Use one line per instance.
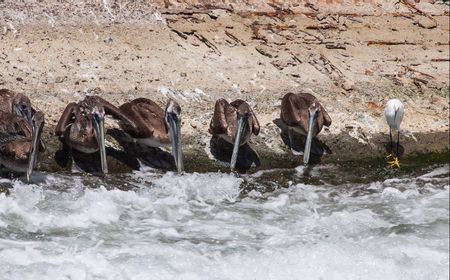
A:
(234, 122)
(154, 126)
(15, 102)
(225, 120)
(304, 114)
(295, 112)
(16, 140)
(76, 127)
(151, 127)
(21, 141)
(81, 126)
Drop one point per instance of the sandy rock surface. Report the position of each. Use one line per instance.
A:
(353, 56)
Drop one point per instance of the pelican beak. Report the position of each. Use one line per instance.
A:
(98, 121)
(241, 125)
(309, 137)
(175, 135)
(36, 135)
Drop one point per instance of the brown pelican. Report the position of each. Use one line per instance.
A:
(304, 114)
(234, 122)
(394, 115)
(20, 105)
(20, 141)
(81, 126)
(17, 103)
(155, 127)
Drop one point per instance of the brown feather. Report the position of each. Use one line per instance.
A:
(295, 112)
(225, 119)
(148, 118)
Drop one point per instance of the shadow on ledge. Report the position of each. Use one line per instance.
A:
(222, 151)
(318, 148)
(134, 153)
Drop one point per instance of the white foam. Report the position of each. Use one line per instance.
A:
(200, 226)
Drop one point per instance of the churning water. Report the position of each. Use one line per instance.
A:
(150, 225)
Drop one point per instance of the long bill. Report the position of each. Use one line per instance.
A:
(34, 150)
(309, 137)
(242, 123)
(175, 136)
(99, 126)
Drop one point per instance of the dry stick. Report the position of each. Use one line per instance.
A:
(295, 57)
(263, 52)
(440, 59)
(310, 34)
(390, 43)
(411, 6)
(234, 38)
(318, 27)
(335, 46)
(423, 81)
(207, 43)
(422, 73)
(181, 34)
(255, 29)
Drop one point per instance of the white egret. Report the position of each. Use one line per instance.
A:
(393, 113)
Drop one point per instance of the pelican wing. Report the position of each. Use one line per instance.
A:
(218, 124)
(66, 118)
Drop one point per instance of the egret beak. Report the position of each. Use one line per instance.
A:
(241, 125)
(36, 135)
(309, 137)
(175, 136)
(99, 125)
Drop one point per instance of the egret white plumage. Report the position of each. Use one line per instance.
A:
(393, 113)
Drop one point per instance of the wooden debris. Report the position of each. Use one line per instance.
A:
(229, 34)
(417, 80)
(319, 27)
(181, 34)
(389, 43)
(280, 64)
(440, 59)
(296, 58)
(419, 72)
(264, 50)
(207, 43)
(255, 27)
(280, 11)
(324, 65)
(426, 21)
(335, 46)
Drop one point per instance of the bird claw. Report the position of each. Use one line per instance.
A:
(391, 155)
(393, 161)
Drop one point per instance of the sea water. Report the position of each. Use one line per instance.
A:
(274, 224)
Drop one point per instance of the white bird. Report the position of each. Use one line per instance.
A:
(393, 113)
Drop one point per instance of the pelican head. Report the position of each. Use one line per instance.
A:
(22, 107)
(173, 121)
(313, 113)
(98, 121)
(37, 124)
